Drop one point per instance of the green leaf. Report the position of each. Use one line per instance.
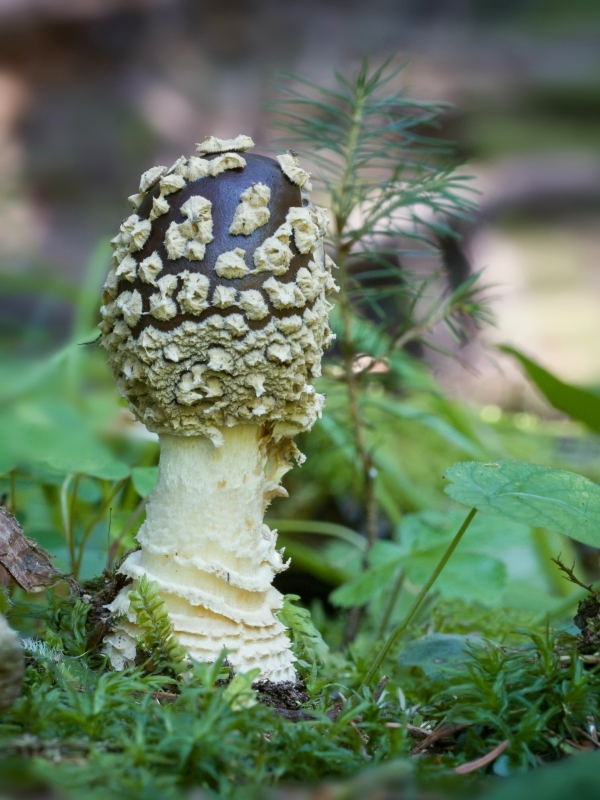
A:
(144, 479)
(473, 577)
(470, 575)
(332, 529)
(538, 496)
(360, 590)
(444, 429)
(578, 403)
(576, 776)
(57, 437)
(239, 694)
(438, 653)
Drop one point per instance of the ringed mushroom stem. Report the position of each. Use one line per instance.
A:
(205, 543)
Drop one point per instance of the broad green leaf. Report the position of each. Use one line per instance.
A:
(8, 462)
(56, 437)
(332, 529)
(538, 496)
(448, 432)
(469, 576)
(576, 402)
(239, 693)
(513, 543)
(438, 653)
(360, 590)
(144, 479)
(574, 777)
(317, 562)
(31, 374)
(529, 596)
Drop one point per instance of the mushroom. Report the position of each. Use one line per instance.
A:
(12, 665)
(215, 319)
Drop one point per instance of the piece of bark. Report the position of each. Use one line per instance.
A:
(23, 558)
(12, 665)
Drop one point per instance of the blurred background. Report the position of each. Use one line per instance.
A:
(92, 92)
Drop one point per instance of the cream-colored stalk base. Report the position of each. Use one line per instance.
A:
(12, 665)
(205, 544)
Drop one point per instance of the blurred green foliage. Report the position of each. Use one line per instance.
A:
(77, 470)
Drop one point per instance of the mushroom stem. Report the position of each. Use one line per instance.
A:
(205, 543)
(11, 665)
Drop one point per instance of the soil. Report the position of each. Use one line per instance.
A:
(587, 620)
(99, 592)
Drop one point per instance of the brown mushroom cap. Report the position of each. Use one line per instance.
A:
(224, 192)
(207, 327)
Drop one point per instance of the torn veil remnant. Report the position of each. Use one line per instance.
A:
(215, 319)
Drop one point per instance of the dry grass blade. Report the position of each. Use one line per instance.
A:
(473, 766)
(442, 732)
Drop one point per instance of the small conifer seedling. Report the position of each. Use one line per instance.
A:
(214, 318)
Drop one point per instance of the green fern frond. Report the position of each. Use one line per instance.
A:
(307, 643)
(157, 639)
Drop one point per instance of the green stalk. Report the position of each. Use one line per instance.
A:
(13, 491)
(392, 599)
(402, 626)
(88, 531)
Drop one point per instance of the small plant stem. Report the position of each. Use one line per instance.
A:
(549, 566)
(369, 473)
(569, 572)
(88, 531)
(345, 203)
(13, 491)
(72, 509)
(402, 626)
(68, 513)
(114, 547)
(392, 599)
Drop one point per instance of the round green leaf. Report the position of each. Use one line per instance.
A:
(538, 496)
(438, 653)
(469, 576)
(144, 479)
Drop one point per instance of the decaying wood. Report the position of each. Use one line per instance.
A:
(12, 665)
(23, 558)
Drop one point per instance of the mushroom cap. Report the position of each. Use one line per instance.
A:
(224, 193)
(214, 308)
